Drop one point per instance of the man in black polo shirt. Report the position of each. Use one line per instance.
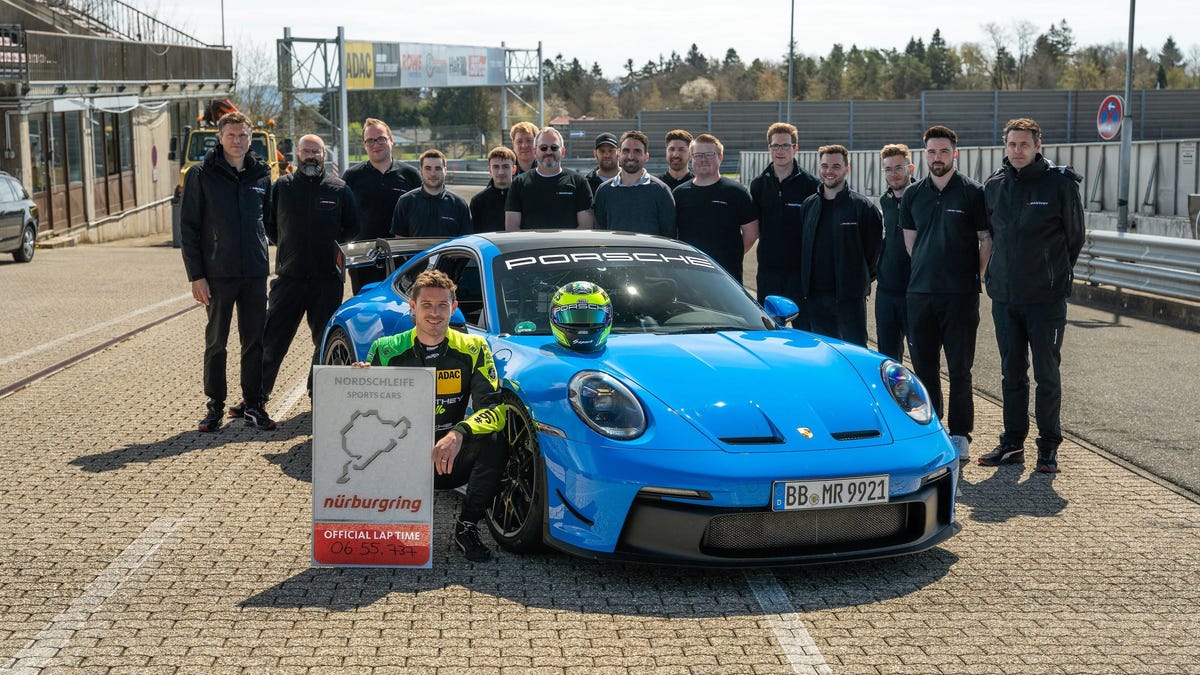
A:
(891, 288)
(549, 197)
(713, 213)
(678, 152)
(487, 207)
(947, 236)
(778, 193)
(377, 183)
(432, 211)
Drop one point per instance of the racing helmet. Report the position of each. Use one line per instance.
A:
(581, 316)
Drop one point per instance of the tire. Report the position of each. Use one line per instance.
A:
(338, 349)
(518, 512)
(28, 245)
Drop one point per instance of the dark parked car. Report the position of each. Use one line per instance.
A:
(18, 219)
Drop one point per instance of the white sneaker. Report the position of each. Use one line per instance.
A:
(962, 444)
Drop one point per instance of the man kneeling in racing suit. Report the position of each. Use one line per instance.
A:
(468, 450)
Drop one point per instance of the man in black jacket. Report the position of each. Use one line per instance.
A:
(224, 248)
(432, 211)
(1036, 219)
(842, 233)
(778, 193)
(310, 213)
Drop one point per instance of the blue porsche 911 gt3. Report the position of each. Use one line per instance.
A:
(703, 431)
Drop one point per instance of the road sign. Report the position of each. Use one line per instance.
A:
(1110, 117)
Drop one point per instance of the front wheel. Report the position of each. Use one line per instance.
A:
(518, 512)
(338, 349)
(28, 245)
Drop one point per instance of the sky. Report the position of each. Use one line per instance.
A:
(610, 31)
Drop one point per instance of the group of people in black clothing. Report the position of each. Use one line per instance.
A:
(935, 243)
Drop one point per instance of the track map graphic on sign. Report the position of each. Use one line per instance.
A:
(367, 436)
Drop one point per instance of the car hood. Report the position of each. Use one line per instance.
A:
(756, 389)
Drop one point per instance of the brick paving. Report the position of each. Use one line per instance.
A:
(130, 543)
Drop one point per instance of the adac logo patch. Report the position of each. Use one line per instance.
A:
(449, 382)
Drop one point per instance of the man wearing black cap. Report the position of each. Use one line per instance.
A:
(607, 167)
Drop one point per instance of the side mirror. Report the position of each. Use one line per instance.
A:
(781, 309)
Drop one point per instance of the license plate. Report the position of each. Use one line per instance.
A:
(830, 493)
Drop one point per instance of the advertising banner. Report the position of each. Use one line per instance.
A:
(372, 473)
(394, 65)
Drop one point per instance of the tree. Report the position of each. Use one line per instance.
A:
(941, 61)
(256, 82)
(698, 93)
(1051, 51)
(1169, 56)
(696, 60)
(731, 58)
(833, 69)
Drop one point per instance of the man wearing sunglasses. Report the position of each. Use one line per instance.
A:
(549, 197)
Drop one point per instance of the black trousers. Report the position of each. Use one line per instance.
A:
(783, 281)
(837, 317)
(1022, 330)
(479, 466)
(949, 322)
(891, 323)
(249, 297)
(291, 300)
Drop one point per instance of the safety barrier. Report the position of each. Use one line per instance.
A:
(1167, 266)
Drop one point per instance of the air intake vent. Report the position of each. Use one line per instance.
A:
(855, 435)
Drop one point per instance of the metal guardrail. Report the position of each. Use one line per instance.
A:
(1166, 266)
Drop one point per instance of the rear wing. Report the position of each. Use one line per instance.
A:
(385, 253)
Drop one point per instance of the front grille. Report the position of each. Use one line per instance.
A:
(779, 531)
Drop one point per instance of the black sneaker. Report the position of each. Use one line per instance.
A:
(1003, 454)
(1047, 461)
(257, 417)
(213, 418)
(466, 538)
(238, 410)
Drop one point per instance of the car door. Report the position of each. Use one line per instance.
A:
(10, 214)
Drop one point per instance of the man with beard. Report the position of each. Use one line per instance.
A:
(713, 213)
(549, 197)
(606, 161)
(1037, 222)
(377, 183)
(842, 232)
(947, 237)
(522, 136)
(778, 195)
(891, 310)
(310, 213)
(636, 201)
(432, 211)
(678, 151)
(487, 206)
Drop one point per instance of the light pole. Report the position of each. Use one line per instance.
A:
(791, 58)
(1126, 135)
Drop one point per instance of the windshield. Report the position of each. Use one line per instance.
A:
(203, 141)
(652, 290)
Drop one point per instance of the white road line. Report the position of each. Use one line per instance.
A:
(92, 329)
(797, 644)
(38, 652)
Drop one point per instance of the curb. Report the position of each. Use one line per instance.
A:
(1156, 308)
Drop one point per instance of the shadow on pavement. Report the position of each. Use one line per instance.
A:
(555, 581)
(1003, 495)
(233, 431)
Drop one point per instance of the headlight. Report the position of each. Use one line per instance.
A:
(606, 405)
(907, 391)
